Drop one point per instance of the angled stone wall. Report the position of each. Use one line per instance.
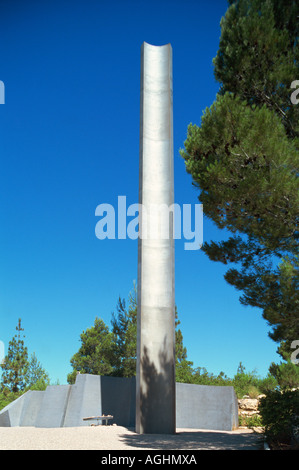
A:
(52, 409)
(31, 407)
(10, 415)
(85, 399)
(197, 406)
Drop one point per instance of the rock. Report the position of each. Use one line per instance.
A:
(248, 407)
(250, 404)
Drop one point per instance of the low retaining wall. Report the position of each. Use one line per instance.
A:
(197, 406)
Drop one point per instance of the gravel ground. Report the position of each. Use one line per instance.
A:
(121, 438)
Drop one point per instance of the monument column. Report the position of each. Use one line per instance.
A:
(155, 378)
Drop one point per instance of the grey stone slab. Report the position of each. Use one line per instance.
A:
(92, 397)
(73, 410)
(197, 406)
(31, 407)
(4, 419)
(85, 399)
(53, 406)
(119, 399)
(10, 415)
(206, 407)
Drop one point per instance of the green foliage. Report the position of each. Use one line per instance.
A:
(279, 415)
(183, 367)
(15, 363)
(20, 373)
(36, 376)
(109, 353)
(258, 55)
(95, 353)
(250, 422)
(40, 385)
(286, 374)
(246, 383)
(114, 353)
(244, 160)
(124, 328)
(267, 384)
(201, 376)
(240, 152)
(6, 397)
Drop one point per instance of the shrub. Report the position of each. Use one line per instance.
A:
(267, 384)
(279, 413)
(243, 382)
(6, 397)
(253, 421)
(286, 374)
(253, 391)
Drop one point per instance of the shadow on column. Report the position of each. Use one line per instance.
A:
(157, 395)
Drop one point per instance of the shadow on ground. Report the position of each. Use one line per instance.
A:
(195, 440)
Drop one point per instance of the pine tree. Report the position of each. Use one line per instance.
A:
(244, 159)
(114, 353)
(95, 355)
(124, 328)
(36, 376)
(15, 364)
(183, 367)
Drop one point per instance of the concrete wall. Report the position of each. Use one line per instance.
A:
(52, 410)
(206, 407)
(10, 415)
(85, 399)
(197, 406)
(31, 407)
(93, 395)
(119, 399)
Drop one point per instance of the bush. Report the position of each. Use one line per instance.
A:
(279, 413)
(244, 382)
(253, 391)
(267, 384)
(6, 397)
(201, 376)
(286, 374)
(251, 422)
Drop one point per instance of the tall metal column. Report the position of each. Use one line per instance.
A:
(155, 392)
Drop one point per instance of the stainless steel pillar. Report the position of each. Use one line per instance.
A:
(155, 392)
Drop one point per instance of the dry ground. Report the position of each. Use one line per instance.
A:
(121, 438)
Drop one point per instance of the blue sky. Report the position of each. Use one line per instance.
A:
(69, 141)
